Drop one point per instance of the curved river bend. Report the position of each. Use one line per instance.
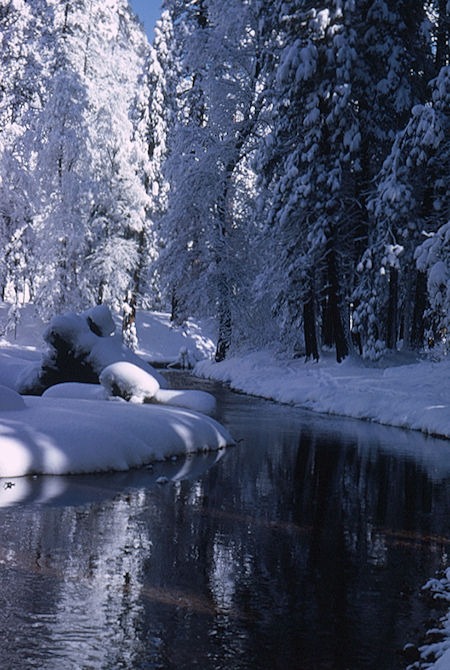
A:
(304, 547)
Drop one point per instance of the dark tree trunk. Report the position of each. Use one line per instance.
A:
(129, 312)
(129, 315)
(309, 326)
(175, 308)
(420, 302)
(224, 338)
(224, 312)
(442, 47)
(333, 315)
(392, 315)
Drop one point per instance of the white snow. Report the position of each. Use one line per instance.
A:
(199, 401)
(67, 436)
(128, 381)
(414, 395)
(436, 655)
(73, 429)
(162, 342)
(77, 390)
(10, 400)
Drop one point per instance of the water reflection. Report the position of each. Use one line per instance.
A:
(304, 547)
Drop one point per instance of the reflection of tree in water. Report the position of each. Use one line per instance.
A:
(308, 560)
(299, 544)
(79, 570)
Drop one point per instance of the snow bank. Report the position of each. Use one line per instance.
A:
(10, 400)
(76, 390)
(53, 436)
(133, 390)
(415, 396)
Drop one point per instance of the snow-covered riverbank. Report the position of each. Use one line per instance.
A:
(406, 393)
(403, 391)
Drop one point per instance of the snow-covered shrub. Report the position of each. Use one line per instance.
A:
(129, 382)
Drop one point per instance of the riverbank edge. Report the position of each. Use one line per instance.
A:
(414, 395)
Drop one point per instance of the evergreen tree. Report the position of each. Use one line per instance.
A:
(203, 257)
(391, 294)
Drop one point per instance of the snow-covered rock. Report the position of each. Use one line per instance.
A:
(79, 347)
(135, 385)
(129, 382)
(100, 320)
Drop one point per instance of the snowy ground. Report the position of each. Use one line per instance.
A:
(405, 392)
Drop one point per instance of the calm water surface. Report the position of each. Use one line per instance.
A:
(303, 547)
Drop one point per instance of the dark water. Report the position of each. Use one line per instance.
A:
(303, 547)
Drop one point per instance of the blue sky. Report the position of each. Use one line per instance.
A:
(148, 11)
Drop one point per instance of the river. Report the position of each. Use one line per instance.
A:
(305, 546)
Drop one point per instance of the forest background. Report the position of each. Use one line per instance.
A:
(280, 166)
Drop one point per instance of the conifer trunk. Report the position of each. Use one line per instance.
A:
(392, 315)
(334, 317)
(225, 328)
(309, 326)
(420, 302)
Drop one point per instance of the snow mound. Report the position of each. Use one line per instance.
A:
(76, 390)
(129, 382)
(200, 401)
(10, 400)
(52, 436)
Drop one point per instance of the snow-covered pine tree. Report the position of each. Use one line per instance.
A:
(203, 259)
(390, 294)
(151, 115)
(311, 160)
(24, 37)
(70, 148)
(433, 255)
(114, 59)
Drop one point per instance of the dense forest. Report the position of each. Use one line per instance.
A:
(281, 166)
